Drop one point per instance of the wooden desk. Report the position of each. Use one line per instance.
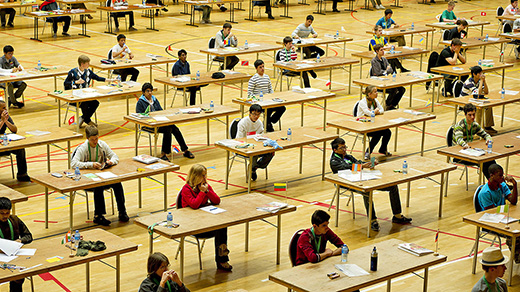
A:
(175, 116)
(125, 170)
(403, 52)
(311, 64)
(17, 4)
(135, 62)
(460, 70)
(418, 167)
(50, 247)
(69, 3)
(14, 196)
(507, 17)
(56, 135)
(392, 263)
(69, 12)
(511, 35)
(192, 4)
(325, 40)
(474, 42)
(300, 137)
(133, 7)
(239, 209)
(205, 78)
(402, 31)
(290, 98)
(402, 79)
(500, 228)
(34, 73)
(449, 25)
(383, 122)
(253, 48)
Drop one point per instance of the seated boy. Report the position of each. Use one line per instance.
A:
(51, 5)
(21, 162)
(116, 15)
(9, 64)
(120, 51)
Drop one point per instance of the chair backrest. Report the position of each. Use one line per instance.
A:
(110, 54)
(446, 35)
(438, 17)
(293, 246)
(500, 11)
(371, 72)
(211, 43)
(449, 136)
(355, 109)
(233, 129)
(507, 28)
(432, 61)
(457, 88)
(476, 203)
(178, 204)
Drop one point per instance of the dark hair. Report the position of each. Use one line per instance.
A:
(378, 47)
(5, 203)
(377, 27)
(155, 261)
(388, 11)
(456, 42)
(91, 130)
(8, 49)
(469, 107)
(319, 216)
(484, 267)
(227, 25)
(146, 86)
(513, 1)
(256, 108)
(181, 51)
(287, 40)
(258, 63)
(475, 70)
(120, 36)
(494, 168)
(336, 142)
(462, 21)
(309, 17)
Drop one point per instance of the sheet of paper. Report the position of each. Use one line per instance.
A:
(10, 247)
(161, 118)
(104, 87)
(415, 113)
(473, 152)
(212, 50)
(213, 209)
(511, 92)
(492, 217)
(5, 259)
(38, 133)
(91, 176)
(156, 166)
(15, 137)
(229, 72)
(493, 39)
(351, 270)
(357, 176)
(458, 68)
(399, 120)
(508, 220)
(106, 174)
(26, 252)
(189, 110)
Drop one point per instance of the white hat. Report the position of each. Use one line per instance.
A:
(492, 256)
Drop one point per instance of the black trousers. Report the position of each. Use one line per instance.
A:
(312, 52)
(376, 137)
(116, 15)
(21, 161)
(13, 96)
(88, 108)
(334, 4)
(305, 77)
(395, 201)
(394, 96)
(267, 5)
(274, 114)
(127, 71)
(231, 61)
(9, 11)
(16, 286)
(262, 161)
(220, 238)
(167, 132)
(66, 23)
(99, 198)
(193, 93)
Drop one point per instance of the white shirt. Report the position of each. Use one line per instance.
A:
(117, 48)
(247, 127)
(363, 109)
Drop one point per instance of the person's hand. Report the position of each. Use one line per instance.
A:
(315, 35)
(80, 81)
(131, 55)
(296, 37)
(396, 26)
(510, 179)
(483, 77)
(5, 116)
(175, 277)
(19, 240)
(367, 165)
(466, 146)
(329, 252)
(377, 112)
(203, 187)
(388, 67)
(109, 163)
(165, 277)
(14, 70)
(96, 165)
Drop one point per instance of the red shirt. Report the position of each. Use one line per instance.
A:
(196, 199)
(306, 250)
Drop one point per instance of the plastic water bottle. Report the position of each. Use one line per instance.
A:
(487, 37)
(77, 238)
(373, 260)
(211, 106)
(289, 134)
(502, 93)
(318, 58)
(5, 140)
(39, 65)
(373, 117)
(169, 220)
(344, 253)
(77, 174)
(413, 26)
(490, 147)
(246, 45)
(393, 77)
(337, 34)
(198, 75)
(392, 50)
(405, 167)
(261, 97)
(480, 62)
(144, 2)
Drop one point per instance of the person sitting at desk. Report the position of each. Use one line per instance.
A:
(12, 228)
(157, 2)
(495, 193)
(160, 278)
(305, 30)
(449, 56)
(516, 29)
(9, 64)
(206, 12)
(149, 103)
(288, 54)
(7, 122)
(267, 4)
(51, 5)
(261, 84)
(511, 9)
(381, 67)
(386, 22)
(120, 51)
(225, 38)
(378, 39)
(11, 12)
(182, 67)
(96, 154)
(448, 15)
(476, 84)
(198, 193)
(458, 32)
(116, 15)
(340, 160)
(494, 266)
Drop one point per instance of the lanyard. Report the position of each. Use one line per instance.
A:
(470, 137)
(287, 58)
(317, 244)
(10, 228)
(347, 160)
(90, 154)
(372, 104)
(487, 284)
(167, 284)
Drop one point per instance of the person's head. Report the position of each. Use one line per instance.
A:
(147, 90)
(378, 30)
(5, 209)
(469, 111)
(83, 62)
(260, 67)
(388, 13)
(451, 5)
(182, 55)
(494, 262)
(320, 222)
(158, 263)
(371, 92)
(226, 28)
(379, 50)
(462, 24)
(496, 173)
(92, 134)
(8, 52)
(476, 72)
(287, 42)
(514, 3)
(255, 111)
(3, 106)
(121, 39)
(456, 44)
(196, 175)
(338, 146)
(308, 20)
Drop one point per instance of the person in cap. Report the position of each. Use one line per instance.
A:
(494, 266)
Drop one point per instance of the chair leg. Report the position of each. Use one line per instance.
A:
(266, 174)
(200, 252)
(333, 198)
(178, 251)
(86, 202)
(32, 283)
(150, 142)
(12, 165)
(112, 196)
(200, 95)
(280, 124)
(353, 205)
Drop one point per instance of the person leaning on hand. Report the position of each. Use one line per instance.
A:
(160, 278)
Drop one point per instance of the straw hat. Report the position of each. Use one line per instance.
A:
(492, 256)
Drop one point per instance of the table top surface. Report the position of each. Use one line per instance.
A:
(492, 99)
(58, 13)
(48, 248)
(320, 40)
(401, 79)
(130, 7)
(239, 209)
(15, 4)
(464, 69)
(513, 230)
(392, 263)
(13, 195)
(418, 167)
(403, 30)
(287, 97)
(126, 169)
(56, 135)
(135, 62)
(97, 92)
(311, 64)
(477, 42)
(33, 73)
(210, 2)
(449, 25)
(401, 52)
(511, 35)
(78, 1)
(508, 17)
(241, 50)
(205, 78)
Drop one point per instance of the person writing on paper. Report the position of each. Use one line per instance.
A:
(120, 51)
(225, 38)
(6, 122)
(305, 30)
(378, 39)
(448, 15)
(9, 64)
(198, 193)
(96, 154)
(149, 103)
(340, 160)
(496, 192)
(12, 228)
(476, 84)
(381, 67)
(160, 278)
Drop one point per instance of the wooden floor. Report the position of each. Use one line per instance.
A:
(305, 190)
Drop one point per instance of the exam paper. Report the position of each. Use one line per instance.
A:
(161, 118)
(213, 209)
(104, 87)
(365, 175)
(5, 259)
(26, 252)
(399, 120)
(415, 113)
(156, 166)
(508, 220)
(15, 137)
(492, 217)
(106, 174)
(351, 270)
(511, 92)
(473, 152)
(187, 111)
(38, 133)
(10, 247)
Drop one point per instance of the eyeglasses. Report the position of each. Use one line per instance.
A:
(343, 147)
(256, 114)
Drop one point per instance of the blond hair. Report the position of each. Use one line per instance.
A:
(369, 89)
(451, 3)
(195, 175)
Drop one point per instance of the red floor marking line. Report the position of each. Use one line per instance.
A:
(43, 221)
(181, 177)
(49, 277)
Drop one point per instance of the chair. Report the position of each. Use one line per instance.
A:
(185, 96)
(76, 106)
(508, 29)
(432, 62)
(293, 246)
(483, 231)
(10, 157)
(449, 142)
(114, 15)
(354, 113)
(446, 35)
(220, 60)
(500, 11)
(148, 131)
(457, 88)
(288, 74)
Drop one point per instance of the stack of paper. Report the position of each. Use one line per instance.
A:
(351, 270)
(14, 137)
(38, 133)
(298, 89)
(213, 209)
(473, 152)
(492, 217)
(272, 207)
(363, 175)
(228, 143)
(183, 78)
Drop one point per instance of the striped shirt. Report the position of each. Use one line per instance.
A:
(377, 40)
(259, 83)
(302, 31)
(461, 134)
(286, 56)
(470, 87)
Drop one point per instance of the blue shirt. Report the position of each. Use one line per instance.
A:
(180, 68)
(385, 23)
(488, 197)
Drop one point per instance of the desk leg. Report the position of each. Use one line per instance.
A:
(301, 159)
(87, 272)
(395, 138)
(181, 268)
(422, 137)
(481, 175)
(68, 154)
(151, 242)
(408, 186)
(165, 191)
(48, 158)
(77, 116)
(511, 260)
(222, 93)
(349, 76)
(503, 76)
(388, 285)
(139, 193)
(425, 284)
(71, 210)
(227, 168)
(503, 113)
(364, 143)
(411, 86)
(278, 238)
(46, 207)
(323, 161)
(369, 217)
(447, 179)
(301, 114)
(330, 78)
(136, 139)
(324, 115)
(59, 113)
(384, 99)
(361, 69)
(246, 241)
(118, 273)
(507, 165)
(484, 52)
(433, 96)
(207, 132)
(475, 252)
(165, 91)
(455, 118)
(420, 63)
(227, 122)
(155, 138)
(337, 204)
(242, 87)
(440, 195)
(151, 71)
(207, 62)
(128, 106)
(249, 171)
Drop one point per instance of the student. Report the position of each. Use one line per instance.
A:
(11, 13)
(381, 67)
(312, 244)
(198, 193)
(182, 67)
(206, 12)
(466, 128)
(516, 29)
(147, 100)
(448, 15)
(80, 77)
(288, 54)
(116, 15)
(12, 228)
(449, 56)
(267, 4)
(378, 39)
(494, 266)
(305, 30)
(340, 160)
(157, 2)
(6, 122)
(377, 4)
(476, 84)
(160, 278)
(458, 32)
(120, 51)
(260, 83)
(387, 22)
(96, 154)
(495, 193)
(225, 38)
(51, 5)
(511, 9)
(9, 64)
(251, 125)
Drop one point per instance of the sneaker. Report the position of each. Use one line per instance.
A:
(490, 130)
(3, 25)
(188, 154)
(18, 104)
(381, 7)
(116, 30)
(165, 158)
(402, 220)
(387, 154)
(254, 176)
(224, 266)
(203, 21)
(23, 178)
(54, 35)
(375, 226)
(65, 33)
(101, 220)
(164, 9)
(223, 8)
(335, 10)
(404, 70)
(10, 24)
(123, 217)
(90, 16)
(132, 28)
(270, 16)
(517, 52)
